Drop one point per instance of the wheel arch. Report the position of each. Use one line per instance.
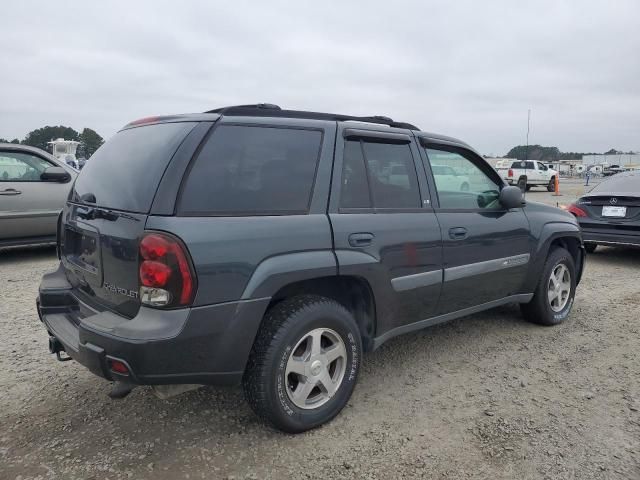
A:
(352, 292)
(553, 235)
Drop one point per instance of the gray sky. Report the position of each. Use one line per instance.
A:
(468, 69)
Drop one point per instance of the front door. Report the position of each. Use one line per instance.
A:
(486, 247)
(29, 207)
(384, 227)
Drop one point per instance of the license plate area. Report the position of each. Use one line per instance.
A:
(616, 212)
(82, 249)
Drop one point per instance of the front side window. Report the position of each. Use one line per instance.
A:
(21, 167)
(460, 182)
(248, 170)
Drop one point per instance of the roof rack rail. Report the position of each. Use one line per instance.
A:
(271, 110)
(223, 110)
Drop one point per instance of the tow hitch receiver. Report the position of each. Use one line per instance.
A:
(120, 390)
(56, 347)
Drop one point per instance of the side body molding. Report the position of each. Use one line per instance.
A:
(280, 270)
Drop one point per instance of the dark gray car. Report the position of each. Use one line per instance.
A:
(610, 213)
(273, 247)
(34, 186)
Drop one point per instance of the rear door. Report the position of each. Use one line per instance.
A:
(383, 224)
(486, 247)
(29, 206)
(107, 213)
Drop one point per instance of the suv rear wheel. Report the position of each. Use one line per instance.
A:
(553, 297)
(304, 363)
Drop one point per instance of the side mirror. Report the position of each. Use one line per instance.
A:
(511, 197)
(55, 174)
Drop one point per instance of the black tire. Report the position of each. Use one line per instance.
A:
(522, 183)
(464, 187)
(528, 187)
(539, 310)
(590, 247)
(265, 380)
(551, 186)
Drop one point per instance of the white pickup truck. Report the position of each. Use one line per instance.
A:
(529, 173)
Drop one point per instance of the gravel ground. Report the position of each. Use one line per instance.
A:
(487, 396)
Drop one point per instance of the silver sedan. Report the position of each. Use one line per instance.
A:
(34, 186)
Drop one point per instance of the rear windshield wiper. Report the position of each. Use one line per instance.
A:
(88, 198)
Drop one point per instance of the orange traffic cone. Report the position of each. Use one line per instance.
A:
(556, 192)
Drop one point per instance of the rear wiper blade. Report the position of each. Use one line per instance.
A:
(88, 198)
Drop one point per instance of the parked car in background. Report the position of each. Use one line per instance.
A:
(449, 179)
(529, 173)
(275, 247)
(34, 186)
(610, 213)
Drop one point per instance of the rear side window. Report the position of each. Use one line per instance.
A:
(248, 170)
(124, 173)
(389, 170)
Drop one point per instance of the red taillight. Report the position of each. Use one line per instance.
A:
(153, 247)
(577, 211)
(154, 274)
(118, 367)
(510, 174)
(166, 275)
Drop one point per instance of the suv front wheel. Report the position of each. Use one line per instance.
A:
(304, 363)
(553, 297)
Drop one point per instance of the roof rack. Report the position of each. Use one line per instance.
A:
(271, 110)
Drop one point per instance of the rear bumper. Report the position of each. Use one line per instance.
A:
(208, 344)
(609, 238)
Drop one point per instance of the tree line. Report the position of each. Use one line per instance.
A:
(89, 139)
(551, 154)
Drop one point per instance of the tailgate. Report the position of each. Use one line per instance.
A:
(99, 252)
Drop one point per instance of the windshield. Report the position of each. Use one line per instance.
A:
(124, 173)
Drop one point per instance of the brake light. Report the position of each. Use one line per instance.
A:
(166, 275)
(576, 211)
(510, 174)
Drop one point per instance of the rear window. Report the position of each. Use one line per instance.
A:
(249, 170)
(125, 172)
(623, 183)
(523, 164)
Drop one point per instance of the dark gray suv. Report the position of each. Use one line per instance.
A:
(273, 247)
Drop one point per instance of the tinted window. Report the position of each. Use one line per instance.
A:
(624, 183)
(355, 188)
(124, 173)
(21, 167)
(392, 175)
(253, 170)
(460, 182)
(523, 164)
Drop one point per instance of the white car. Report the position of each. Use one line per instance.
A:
(448, 179)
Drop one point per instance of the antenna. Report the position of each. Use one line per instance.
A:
(526, 153)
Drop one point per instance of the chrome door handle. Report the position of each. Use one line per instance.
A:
(10, 191)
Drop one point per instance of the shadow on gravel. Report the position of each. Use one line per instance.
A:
(622, 256)
(10, 256)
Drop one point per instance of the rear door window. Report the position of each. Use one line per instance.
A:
(252, 170)
(124, 173)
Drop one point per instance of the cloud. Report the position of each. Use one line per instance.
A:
(462, 68)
